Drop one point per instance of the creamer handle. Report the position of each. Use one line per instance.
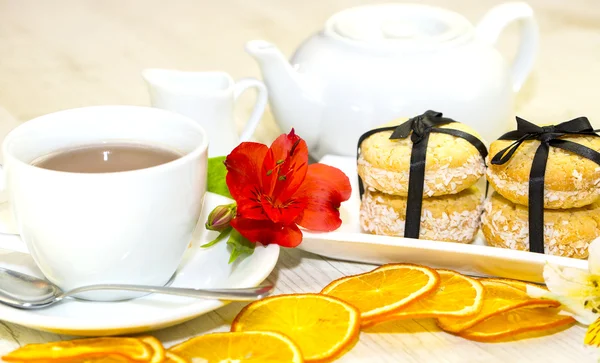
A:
(494, 22)
(259, 106)
(9, 237)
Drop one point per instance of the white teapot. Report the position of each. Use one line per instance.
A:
(372, 64)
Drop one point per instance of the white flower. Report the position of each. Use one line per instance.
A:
(577, 290)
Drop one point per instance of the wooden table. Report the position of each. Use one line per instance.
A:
(69, 53)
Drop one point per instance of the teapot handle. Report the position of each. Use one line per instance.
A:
(494, 22)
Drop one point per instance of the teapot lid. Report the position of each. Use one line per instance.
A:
(398, 25)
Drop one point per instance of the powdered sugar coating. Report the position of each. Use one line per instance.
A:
(518, 192)
(442, 181)
(452, 218)
(567, 232)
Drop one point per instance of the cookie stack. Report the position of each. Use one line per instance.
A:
(571, 199)
(451, 205)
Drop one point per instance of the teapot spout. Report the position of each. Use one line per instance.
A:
(293, 101)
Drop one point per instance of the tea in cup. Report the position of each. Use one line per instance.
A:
(106, 194)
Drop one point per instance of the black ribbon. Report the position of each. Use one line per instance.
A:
(548, 136)
(419, 128)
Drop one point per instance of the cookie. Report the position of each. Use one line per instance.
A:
(571, 181)
(452, 164)
(452, 218)
(567, 232)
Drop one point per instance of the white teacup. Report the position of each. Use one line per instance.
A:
(128, 227)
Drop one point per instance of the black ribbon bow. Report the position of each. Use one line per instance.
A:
(548, 136)
(419, 128)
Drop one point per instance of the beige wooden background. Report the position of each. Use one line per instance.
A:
(66, 53)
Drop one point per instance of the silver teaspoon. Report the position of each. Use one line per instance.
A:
(28, 292)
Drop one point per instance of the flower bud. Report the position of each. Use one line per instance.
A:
(220, 217)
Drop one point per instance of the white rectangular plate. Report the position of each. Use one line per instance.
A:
(351, 244)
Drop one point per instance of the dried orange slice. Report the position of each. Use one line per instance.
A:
(498, 297)
(385, 289)
(131, 348)
(521, 285)
(171, 357)
(158, 355)
(242, 347)
(158, 350)
(110, 358)
(322, 326)
(516, 321)
(457, 295)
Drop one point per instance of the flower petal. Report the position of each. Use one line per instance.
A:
(267, 232)
(285, 213)
(249, 204)
(570, 282)
(284, 168)
(323, 191)
(537, 292)
(576, 289)
(592, 336)
(574, 307)
(243, 167)
(594, 257)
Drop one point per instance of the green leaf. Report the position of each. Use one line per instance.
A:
(219, 238)
(216, 176)
(239, 246)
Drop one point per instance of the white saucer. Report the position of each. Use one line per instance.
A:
(200, 268)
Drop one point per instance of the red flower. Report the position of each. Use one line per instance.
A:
(276, 190)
